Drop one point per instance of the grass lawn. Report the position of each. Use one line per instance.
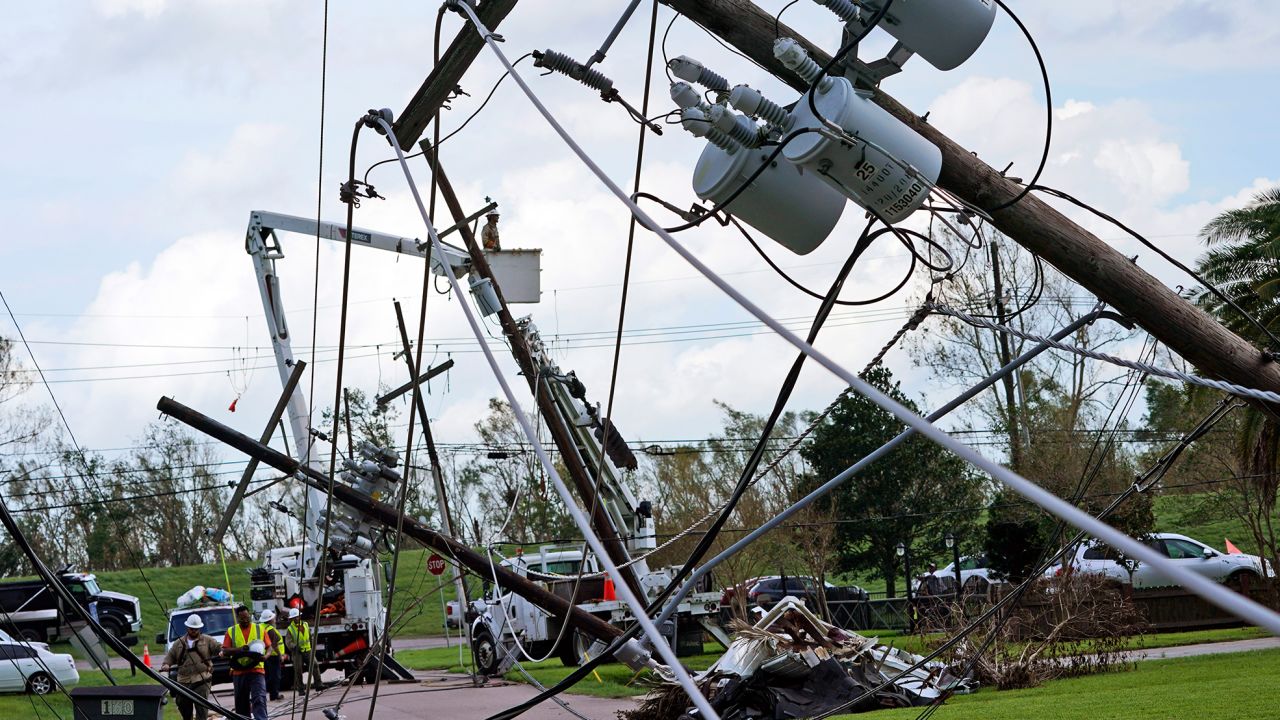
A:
(1200, 516)
(1236, 686)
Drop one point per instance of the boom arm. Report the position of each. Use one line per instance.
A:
(262, 244)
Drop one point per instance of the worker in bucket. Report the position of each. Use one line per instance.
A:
(191, 657)
(246, 646)
(489, 233)
(298, 639)
(274, 653)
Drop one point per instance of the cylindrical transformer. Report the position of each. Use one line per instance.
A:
(786, 202)
(893, 185)
(943, 32)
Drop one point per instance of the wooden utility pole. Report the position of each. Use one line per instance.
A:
(446, 75)
(1032, 223)
(579, 473)
(1002, 340)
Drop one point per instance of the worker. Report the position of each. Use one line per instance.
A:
(274, 653)
(246, 646)
(489, 233)
(298, 638)
(192, 657)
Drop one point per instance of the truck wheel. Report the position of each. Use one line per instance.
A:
(112, 625)
(31, 635)
(573, 649)
(40, 684)
(484, 650)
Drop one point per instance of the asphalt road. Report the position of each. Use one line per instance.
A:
(447, 695)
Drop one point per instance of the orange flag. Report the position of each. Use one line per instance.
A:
(1232, 549)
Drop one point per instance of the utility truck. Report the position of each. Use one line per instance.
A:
(506, 626)
(31, 611)
(350, 595)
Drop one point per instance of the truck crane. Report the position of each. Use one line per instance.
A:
(504, 624)
(503, 620)
(353, 615)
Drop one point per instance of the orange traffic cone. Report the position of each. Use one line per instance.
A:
(146, 656)
(609, 592)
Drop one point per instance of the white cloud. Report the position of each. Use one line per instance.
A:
(145, 8)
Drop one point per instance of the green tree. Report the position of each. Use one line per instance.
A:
(914, 497)
(1243, 261)
(1070, 457)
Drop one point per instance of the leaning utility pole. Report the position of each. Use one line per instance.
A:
(581, 475)
(1006, 355)
(1032, 223)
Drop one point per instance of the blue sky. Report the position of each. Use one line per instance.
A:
(140, 133)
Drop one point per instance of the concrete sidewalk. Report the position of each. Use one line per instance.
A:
(438, 695)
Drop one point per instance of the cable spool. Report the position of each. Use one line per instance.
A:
(565, 65)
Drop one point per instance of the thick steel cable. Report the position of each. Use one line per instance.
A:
(1209, 590)
(623, 590)
(1224, 386)
(322, 566)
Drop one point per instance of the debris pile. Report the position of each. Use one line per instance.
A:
(792, 664)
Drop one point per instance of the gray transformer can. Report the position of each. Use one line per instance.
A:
(887, 167)
(943, 32)
(790, 204)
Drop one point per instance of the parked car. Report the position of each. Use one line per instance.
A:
(32, 611)
(1231, 569)
(768, 591)
(30, 667)
(975, 576)
(728, 594)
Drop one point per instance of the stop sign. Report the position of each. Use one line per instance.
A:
(435, 564)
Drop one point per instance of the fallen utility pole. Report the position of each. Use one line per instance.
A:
(1032, 223)
(387, 515)
(445, 76)
(581, 475)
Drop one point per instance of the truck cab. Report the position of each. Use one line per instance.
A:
(218, 618)
(33, 612)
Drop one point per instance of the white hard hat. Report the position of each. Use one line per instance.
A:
(267, 615)
(257, 646)
(194, 621)
(293, 613)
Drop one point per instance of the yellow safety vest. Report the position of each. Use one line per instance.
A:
(301, 634)
(241, 639)
(271, 633)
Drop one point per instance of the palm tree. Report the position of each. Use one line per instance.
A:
(1243, 261)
